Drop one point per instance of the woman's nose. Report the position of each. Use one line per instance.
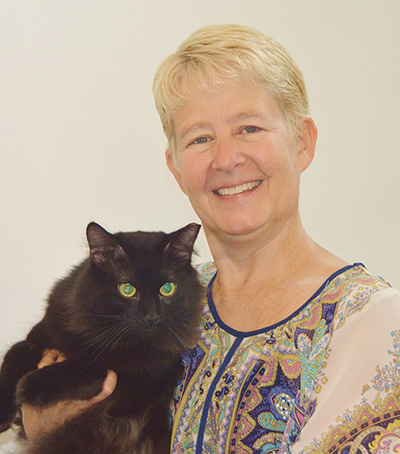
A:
(227, 155)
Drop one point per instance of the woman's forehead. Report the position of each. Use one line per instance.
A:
(234, 101)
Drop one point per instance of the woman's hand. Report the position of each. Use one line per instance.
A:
(38, 421)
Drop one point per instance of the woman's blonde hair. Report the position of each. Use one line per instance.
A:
(217, 53)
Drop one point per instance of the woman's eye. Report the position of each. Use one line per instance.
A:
(168, 289)
(201, 140)
(127, 290)
(250, 129)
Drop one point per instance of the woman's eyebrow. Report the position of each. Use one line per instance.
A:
(246, 115)
(189, 129)
(234, 118)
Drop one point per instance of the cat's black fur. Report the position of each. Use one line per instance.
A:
(141, 338)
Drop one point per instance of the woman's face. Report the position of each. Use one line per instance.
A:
(237, 161)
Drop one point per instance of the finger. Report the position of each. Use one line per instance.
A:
(38, 421)
(30, 420)
(108, 387)
(51, 356)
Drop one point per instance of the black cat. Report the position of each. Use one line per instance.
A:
(133, 306)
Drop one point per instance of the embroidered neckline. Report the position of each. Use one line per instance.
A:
(242, 334)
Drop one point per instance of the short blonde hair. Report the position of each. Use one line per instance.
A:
(215, 54)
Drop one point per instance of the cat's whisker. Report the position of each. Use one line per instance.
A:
(117, 338)
(107, 336)
(109, 343)
(99, 338)
(185, 346)
(101, 315)
(92, 337)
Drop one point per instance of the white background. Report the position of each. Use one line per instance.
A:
(80, 139)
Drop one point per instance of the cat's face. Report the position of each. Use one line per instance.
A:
(140, 290)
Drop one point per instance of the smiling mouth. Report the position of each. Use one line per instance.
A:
(238, 189)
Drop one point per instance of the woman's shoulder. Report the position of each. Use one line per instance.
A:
(355, 289)
(355, 280)
(206, 272)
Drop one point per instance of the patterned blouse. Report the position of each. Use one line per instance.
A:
(324, 380)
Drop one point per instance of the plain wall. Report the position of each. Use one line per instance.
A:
(80, 139)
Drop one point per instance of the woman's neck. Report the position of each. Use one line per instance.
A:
(243, 258)
(260, 283)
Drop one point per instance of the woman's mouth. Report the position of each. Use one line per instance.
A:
(238, 189)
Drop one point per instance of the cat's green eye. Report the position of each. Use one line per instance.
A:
(168, 289)
(127, 290)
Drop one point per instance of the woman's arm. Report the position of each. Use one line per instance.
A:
(38, 421)
(356, 393)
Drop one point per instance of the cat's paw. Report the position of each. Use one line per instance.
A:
(7, 415)
(7, 410)
(61, 381)
(6, 418)
(20, 359)
(34, 390)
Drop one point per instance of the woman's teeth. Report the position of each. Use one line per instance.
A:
(238, 189)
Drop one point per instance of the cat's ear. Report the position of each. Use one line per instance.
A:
(182, 242)
(104, 249)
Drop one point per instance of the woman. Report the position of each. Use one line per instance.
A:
(287, 323)
(299, 350)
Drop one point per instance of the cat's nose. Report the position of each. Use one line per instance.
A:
(151, 321)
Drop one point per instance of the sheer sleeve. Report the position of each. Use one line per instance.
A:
(357, 399)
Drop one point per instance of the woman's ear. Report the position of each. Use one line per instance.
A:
(175, 172)
(307, 142)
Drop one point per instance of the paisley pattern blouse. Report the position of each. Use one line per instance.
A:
(324, 380)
